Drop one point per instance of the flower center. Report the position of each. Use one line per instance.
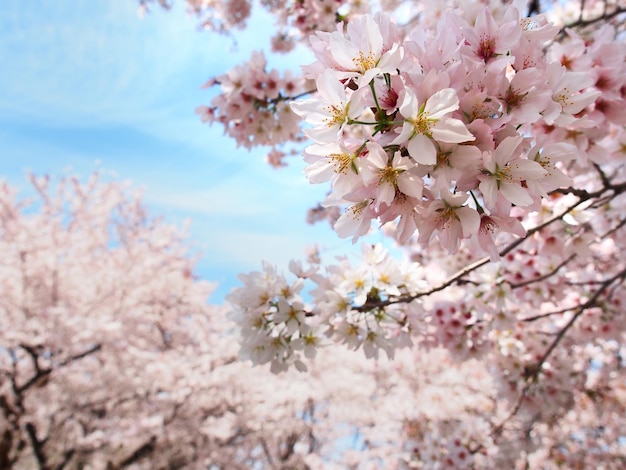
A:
(364, 62)
(422, 124)
(388, 175)
(342, 162)
(486, 47)
(337, 114)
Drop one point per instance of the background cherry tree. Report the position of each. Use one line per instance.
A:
(110, 356)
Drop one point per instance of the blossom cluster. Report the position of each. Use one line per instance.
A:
(218, 16)
(349, 305)
(299, 19)
(478, 129)
(437, 131)
(253, 106)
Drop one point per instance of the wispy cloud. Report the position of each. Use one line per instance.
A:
(88, 81)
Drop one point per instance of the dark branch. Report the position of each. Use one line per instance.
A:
(140, 453)
(37, 445)
(544, 276)
(42, 373)
(580, 23)
(533, 372)
(455, 278)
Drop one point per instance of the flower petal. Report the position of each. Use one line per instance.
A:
(422, 149)
(441, 103)
(452, 131)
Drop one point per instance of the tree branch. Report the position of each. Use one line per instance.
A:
(41, 373)
(580, 23)
(455, 278)
(543, 277)
(37, 445)
(533, 372)
(139, 453)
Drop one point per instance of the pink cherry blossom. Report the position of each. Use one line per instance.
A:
(429, 122)
(504, 174)
(332, 112)
(451, 219)
(390, 177)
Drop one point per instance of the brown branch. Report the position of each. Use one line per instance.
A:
(6, 444)
(549, 314)
(37, 445)
(580, 23)
(581, 193)
(311, 435)
(457, 277)
(542, 277)
(290, 444)
(141, 452)
(613, 230)
(582, 9)
(266, 451)
(67, 456)
(42, 373)
(534, 8)
(533, 372)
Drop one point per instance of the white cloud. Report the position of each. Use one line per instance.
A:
(87, 80)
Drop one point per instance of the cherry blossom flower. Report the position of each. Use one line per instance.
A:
(390, 176)
(490, 41)
(337, 162)
(364, 53)
(429, 122)
(451, 219)
(330, 113)
(356, 220)
(568, 94)
(490, 225)
(505, 173)
(549, 157)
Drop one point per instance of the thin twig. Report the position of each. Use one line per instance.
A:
(536, 369)
(544, 276)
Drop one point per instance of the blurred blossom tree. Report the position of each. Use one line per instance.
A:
(487, 139)
(111, 357)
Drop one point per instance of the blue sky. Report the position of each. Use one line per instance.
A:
(86, 84)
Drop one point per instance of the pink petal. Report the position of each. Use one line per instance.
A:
(470, 220)
(441, 103)
(516, 194)
(452, 131)
(422, 149)
(489, 188)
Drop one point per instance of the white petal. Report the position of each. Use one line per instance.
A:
(470, 220)
(343, 51)
(526, 170)
(516, 194)
(441, 103)
(422, 149)
(410, 184)
(385, 194)
(409, 105)
(405, 134)
(331, 89)
(506, 150)
(452, 131)
(319, 171)
(489, 188)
